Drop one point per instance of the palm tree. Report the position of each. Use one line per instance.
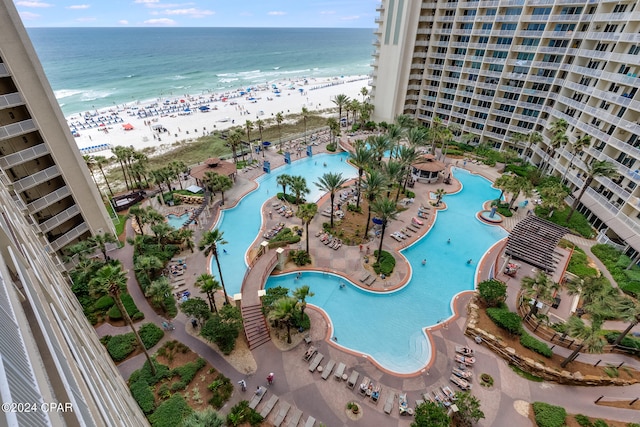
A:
(553, 196)
(375, 182)
(440, 193)
(279, 120)
(364, 92)
(596, 168)
(209, 285)
(503, 183)
(299, 187)
(185, 236)
(558, 138)
(406, 156)
(178, 169)
(517, 138)
(519, 184)
(111, 280)
(438, 134)
(386, 210)
(538, 288)
(630, 312)
(249, 127)
(379, 144)
(417, 136)
(235, 141)
(101, 239)
(577, 147)
(260, 124)
(147, 265)
(361, 158)
(341, 101)
(284, 309)
(394, 172)
(222, 183)
(209, 244)
(121, 153)
(305, 115)
(91, 163)
(284, 180)
(162, 231)
(306, 213)
(100, 162)
(394, 134)
(405, 121)
(301, 294)
(334, 128)
(591, 336)
(158, 292)
(534, 138)
(331, 183)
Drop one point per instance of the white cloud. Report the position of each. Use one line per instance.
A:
(155, 4)
(146, 1)
(276, 13)
(349, 18)
(328, 12)
(78, 6)
(192, 12)
(28, 16)
(33, 4)
(160, 21)
(86, 19)
(123, 22)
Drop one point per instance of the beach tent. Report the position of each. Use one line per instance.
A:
(194, 189)
(128, 126)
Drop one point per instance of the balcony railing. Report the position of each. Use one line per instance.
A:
(59, 219)
(10, 100)
(3, 70)
(15, 129)
(35, 179)
(48, 200)
(69, 237)
(34, 152)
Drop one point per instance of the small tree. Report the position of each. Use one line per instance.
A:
(283, 311)
(430, 414)
(492, 292)
(301, 294)
(196, 307)
(469, 411)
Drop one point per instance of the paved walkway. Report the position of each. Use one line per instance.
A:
(326, 400)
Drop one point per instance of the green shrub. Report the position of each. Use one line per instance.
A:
(288, 197)
(129, 305)
(386, 265)
(223, 328)
(549, 415)
(145, 374)
(143, 394)
(539, 347)
(150, 334)
(241, 413)
(274, 294)
(579, 264)
(300, 257)
(188, 371)
(578, 224)
(627, 280)
(583, 421)
(305, 323)
(506, 319)
(121, 346)
(284, 237)
(631, 343)
(222, 390)
(103, 303)
(164, 391)
(171, 412)
(600, 423)
(178, 385)
(493, 292)
(332, 147)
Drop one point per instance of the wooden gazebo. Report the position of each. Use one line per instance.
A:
(534, 240)
(213, 164)
(427, 169)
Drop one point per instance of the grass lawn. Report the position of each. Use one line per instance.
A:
(578, 223)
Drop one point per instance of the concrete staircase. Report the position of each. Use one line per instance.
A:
(255, 326)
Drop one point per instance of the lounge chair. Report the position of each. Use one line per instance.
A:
(326, 371)
(294, 419)
(315, 362)
(375, 393)
(257, 397)
(353, 379)
(364, 386)
(373, 280)
(464, 350)
(388, 405)
(396, 237)
(269, 406)
(416, 221)
(448, 392)
(419, 402)
(463, 384)
(339, 372)
(365, 278)
(466, 360)
(403, 405)
(282, 413)
(465, 374)
(310, 422)
(311, 351)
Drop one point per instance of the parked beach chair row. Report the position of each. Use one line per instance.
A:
(275, 230)
(368, 279)
(330, 241)
(284, 410)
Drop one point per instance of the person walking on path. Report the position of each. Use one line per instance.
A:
(270, 378)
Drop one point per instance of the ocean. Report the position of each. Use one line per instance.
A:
(92, 68)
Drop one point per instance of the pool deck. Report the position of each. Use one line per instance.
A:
(325, 400)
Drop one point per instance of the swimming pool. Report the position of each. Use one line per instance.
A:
(389, 327)
(241, 224)
(176, 221)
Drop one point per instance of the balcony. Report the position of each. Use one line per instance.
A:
(48, 200)
(37, 178)
(3, 70)
(59, 219)
(15, 129)
(69, 237)
(14, 159)
(10, 100)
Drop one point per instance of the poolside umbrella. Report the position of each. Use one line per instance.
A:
(266, 143)
(377, 221)
(301, 90)
(204, 108)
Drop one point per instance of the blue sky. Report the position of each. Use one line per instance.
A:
(198, 13)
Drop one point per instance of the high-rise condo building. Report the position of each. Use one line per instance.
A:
(40, 163)
(53, 369)
(499, 69)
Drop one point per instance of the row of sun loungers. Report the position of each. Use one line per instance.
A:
(462, 374)
(282, 412)
(330, 241)
(285, 211)
(368, 279)
(275, 230)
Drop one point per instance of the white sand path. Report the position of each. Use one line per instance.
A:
(317, 95)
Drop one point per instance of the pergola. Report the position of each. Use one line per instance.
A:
(533, 240)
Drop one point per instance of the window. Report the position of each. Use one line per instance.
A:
(484, 104)
(624, 69)
(513, 11)
(525, 56)
(571, 11)
(530, 42)
(558, 43)
(473, 77)
(594, 65)
(449, 12)
(530, 113)
(507, 108)
(521, 70)
(479, 52)
(634, 50)
(463, 39)
(488, 92)
(445, 38)
(508, 27)
(490, 12)
(466, 100)
(505, 40)
(620, 8)
(610, 28)
(441, 50)
(602, 47)
(483, 40)
(511, 95)
(525, 125)
(487, 26)
(499, 54)
(501, 119)
(460, 51)
(541, 11)
(478, 126)
(534, 27)
(499, 131)
(535, 99)
(546, 73)
(496, 67)
(466, 26)
(480, 115)
(475, 65)
(541, 86)
(469, 12)
(564, 27)
(586, 81)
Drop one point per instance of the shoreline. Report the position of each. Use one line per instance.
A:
(183, 119)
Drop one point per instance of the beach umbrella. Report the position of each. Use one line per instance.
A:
(376, 221)
(128, 126)
(266, 143)
(204, 108)
(301, 90)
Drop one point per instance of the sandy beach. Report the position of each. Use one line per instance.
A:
(167, 120)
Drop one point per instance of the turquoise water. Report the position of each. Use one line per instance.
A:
(176, 221)
(388, 327)
(242, 223)
(91, 68)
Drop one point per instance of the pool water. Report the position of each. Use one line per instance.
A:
(385, 327)
(176, 221)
